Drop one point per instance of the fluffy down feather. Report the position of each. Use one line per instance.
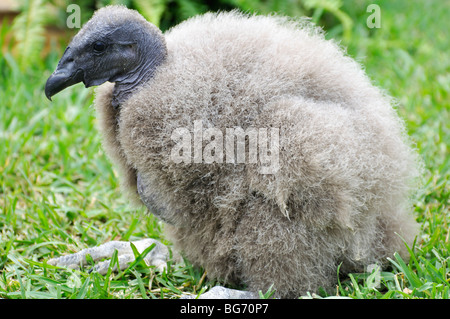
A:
(346, 167)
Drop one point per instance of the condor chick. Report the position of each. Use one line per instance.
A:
(338, 192)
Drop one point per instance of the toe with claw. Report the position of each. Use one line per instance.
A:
(157, 257)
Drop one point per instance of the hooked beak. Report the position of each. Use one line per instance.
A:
(65, 75)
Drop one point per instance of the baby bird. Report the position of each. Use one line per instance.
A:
(264, 148)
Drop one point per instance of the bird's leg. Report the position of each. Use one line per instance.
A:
(157, 257)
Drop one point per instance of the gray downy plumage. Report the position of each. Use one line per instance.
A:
(340, 193)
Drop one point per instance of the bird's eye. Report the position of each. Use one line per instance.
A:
(99, 46)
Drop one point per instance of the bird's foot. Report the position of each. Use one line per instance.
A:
(219, 292)
(157, 257)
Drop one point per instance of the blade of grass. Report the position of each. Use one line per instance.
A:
(413, 279)
(19, 279)
(140, 284)
(83, 289)
(138, 258)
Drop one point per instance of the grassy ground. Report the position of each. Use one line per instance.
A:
(59, 194)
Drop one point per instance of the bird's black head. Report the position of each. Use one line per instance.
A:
(113, 46)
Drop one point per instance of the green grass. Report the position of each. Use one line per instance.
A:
(59, 194)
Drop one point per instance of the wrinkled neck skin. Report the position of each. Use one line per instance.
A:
(152, 53)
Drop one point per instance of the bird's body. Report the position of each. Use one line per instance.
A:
(338, 190)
